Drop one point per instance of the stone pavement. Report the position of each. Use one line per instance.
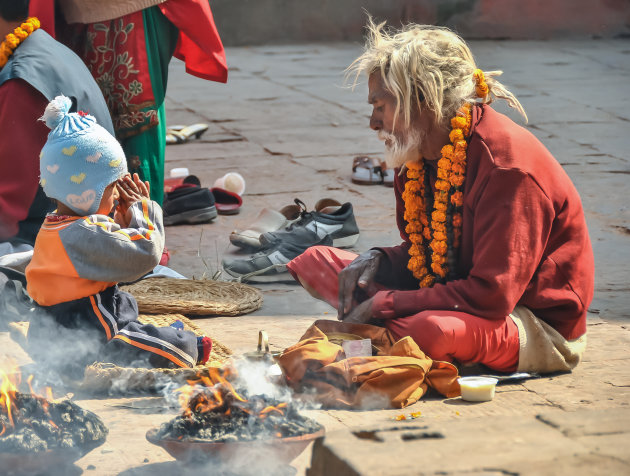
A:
(289, 126)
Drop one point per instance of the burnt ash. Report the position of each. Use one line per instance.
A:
(41, 425)
(243, 423)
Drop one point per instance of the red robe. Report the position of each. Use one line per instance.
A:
(199, 44)
(524, 237)
(20, 143)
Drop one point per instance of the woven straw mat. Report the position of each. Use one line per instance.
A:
(203, 297)
(103, 377)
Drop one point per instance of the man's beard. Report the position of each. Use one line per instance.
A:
(399, 152)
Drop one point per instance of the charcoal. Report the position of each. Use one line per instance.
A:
(40, 425)
(242, 423)
(25, 440)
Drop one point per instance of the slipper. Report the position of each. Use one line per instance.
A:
(366, 171)
(179, 136)
(227, 203)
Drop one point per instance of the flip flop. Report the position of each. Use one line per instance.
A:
(366, 171)
(227, 203)
(388, 175)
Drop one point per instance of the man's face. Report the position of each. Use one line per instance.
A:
(401, 144)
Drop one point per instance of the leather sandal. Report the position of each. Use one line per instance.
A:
(366, 171)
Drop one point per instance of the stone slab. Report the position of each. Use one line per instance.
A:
(589, 422)
(445, 448)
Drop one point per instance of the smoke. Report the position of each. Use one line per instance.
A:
(374, 401)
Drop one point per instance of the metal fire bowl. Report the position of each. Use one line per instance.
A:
(38, 462)
(283, 450)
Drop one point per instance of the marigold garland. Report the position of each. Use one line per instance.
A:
(433, 242)
(481, 87)
(13, 40)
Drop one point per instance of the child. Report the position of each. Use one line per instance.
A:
(81, 253)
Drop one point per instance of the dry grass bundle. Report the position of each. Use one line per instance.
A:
(204, 297)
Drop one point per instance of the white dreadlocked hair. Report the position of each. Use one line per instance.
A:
(426, 66)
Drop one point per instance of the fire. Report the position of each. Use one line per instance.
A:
(9, 383)
(8, 388)
(215, 392)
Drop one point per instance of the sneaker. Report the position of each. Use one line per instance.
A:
(330, 218)
(270, 264)
(189, 203)
(267, 220)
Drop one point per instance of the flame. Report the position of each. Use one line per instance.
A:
(9, 382)
(215, 392)
(278, 408)
(8, 388)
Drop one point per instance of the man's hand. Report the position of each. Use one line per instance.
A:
(130, 191)
(361, 314)
(361, 272)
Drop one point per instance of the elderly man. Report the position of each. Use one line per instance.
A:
(496, 265)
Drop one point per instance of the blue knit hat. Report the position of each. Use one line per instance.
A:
(80, 158)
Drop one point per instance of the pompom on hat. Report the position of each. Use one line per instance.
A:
(80, 158)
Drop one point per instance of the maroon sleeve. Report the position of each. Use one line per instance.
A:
(22, 137)
(512, 222)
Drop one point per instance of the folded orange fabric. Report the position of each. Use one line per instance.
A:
(397, 376)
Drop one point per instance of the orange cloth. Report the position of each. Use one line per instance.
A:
(398, 376)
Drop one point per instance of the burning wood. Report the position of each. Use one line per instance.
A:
(214, 411)
(32, 424)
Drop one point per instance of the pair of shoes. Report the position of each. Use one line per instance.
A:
(189, 203)
(267, 220)
(180, 134)
(330, 218)
(371, 171)
(331, 224)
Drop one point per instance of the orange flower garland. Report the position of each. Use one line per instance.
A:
(481, 87)
(446, 216)
(13, 40)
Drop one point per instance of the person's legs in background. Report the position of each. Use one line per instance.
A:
(148, 148)
(450, 335)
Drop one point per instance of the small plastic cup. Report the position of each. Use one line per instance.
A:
(232, 181)
(477, 389)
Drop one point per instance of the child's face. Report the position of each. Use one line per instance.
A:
(110, 195)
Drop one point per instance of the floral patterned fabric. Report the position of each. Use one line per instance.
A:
(116, 55)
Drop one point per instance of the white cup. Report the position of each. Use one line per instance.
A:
(232, 181)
